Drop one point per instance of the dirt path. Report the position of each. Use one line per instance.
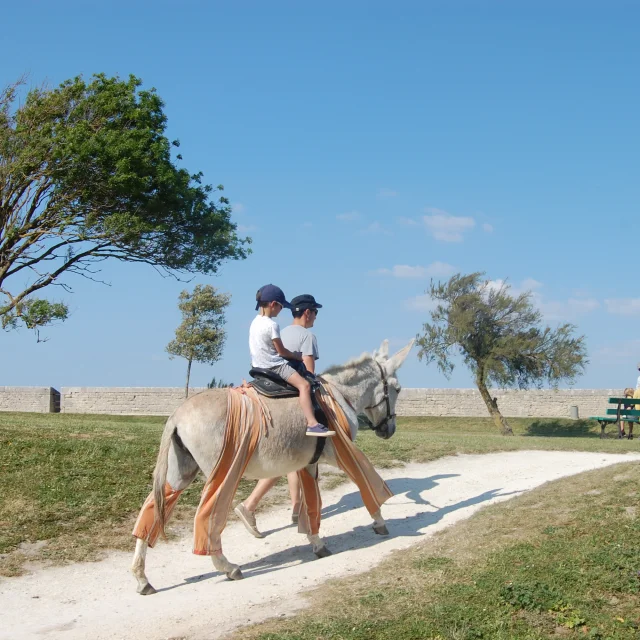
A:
(99, 601)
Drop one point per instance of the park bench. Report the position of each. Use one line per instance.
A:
(619, 415)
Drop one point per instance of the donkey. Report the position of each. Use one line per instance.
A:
(194, 435)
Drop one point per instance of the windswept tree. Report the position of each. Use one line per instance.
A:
(500, 338)
(201, 335)
(87, 174)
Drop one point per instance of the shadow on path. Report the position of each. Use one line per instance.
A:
(361, 537)
(412, 487)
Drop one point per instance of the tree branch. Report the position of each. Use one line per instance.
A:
(44, 282)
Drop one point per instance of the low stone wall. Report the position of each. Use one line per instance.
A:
(143, 401)
(537, 403)
(31, 399)
(161, 401)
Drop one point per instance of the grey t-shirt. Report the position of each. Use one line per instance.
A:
(300, 340)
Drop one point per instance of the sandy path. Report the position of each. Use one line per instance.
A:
(99, 601)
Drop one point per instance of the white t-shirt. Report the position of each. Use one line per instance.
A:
(637, 385)
(262, 332)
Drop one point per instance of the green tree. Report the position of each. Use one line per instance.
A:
(35, 313)
(87, 174)
(499, 337)
(201, 335)
(218, 384)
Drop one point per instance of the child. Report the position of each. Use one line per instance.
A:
(268, 352)
(628, 393)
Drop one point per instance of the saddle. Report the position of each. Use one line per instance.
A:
(271, 385)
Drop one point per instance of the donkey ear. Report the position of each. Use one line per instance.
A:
(396, 360)
(383, 352)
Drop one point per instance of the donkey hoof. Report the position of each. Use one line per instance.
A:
(323, 552)
(147, 590)
(381, 530)
(236, 574)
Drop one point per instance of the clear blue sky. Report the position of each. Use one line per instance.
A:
(366, 146)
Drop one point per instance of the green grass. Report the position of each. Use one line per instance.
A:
(424, 439)
(562, 561)
(77, 481)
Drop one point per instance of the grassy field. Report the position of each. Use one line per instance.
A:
(77, 481)
(424, 439)
(562, 561)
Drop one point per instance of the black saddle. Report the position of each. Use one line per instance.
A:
(270, 384)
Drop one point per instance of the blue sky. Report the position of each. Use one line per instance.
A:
(366, 146)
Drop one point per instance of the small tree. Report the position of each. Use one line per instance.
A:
(200, 336)
(87, 174)
(218, 384)
(499, 337)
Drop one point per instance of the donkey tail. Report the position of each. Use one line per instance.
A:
(160, 476)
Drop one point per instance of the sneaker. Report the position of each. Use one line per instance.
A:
(248, 520)
(319, 431)
(295, 517)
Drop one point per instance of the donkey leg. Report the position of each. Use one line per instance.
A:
(232, 571)
(310, 510)
(379, 525)
(319, 547)
(182, 469)
(137, 567)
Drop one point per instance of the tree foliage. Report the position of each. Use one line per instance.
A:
(35, 313)
(500, 338)
(218, 384)
(86, 174)
(201, 335)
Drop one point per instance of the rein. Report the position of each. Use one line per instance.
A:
(383, 425)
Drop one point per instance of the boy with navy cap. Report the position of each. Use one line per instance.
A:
(268, 352)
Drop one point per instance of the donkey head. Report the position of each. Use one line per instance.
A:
(381, 411)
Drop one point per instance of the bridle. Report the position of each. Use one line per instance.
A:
(383, 425)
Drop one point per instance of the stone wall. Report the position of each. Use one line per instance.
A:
(144, 401)
(540, 403)
(32, 399)
(161, 401)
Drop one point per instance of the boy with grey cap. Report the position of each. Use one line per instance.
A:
(299, 340)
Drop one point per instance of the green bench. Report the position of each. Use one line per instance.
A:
(619, 415)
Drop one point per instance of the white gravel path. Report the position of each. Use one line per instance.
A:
(98, 600)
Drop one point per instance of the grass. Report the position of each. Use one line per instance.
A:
(424, 439)
(562, 561)
(77, 481)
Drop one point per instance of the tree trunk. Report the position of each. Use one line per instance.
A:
(492, 406)
(186, 388)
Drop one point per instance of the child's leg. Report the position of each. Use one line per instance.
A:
(304, 388)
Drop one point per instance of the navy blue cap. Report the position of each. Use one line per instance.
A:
(271, 293)
(304, 301)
